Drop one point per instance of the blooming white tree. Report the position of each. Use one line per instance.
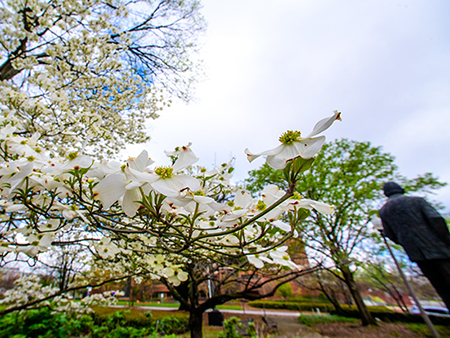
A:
(147, 219)
(86, 74)
(78, 80)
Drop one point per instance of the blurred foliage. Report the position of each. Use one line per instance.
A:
(311, 320)
(43, 323)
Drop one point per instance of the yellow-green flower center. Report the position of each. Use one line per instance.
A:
(289, 137)
(199, 193)
(164, 172)
(261, 206)
(72, 156)
(296, 196)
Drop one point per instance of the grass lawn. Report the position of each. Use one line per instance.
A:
(154, 304)
(156, 314)
(444, 331)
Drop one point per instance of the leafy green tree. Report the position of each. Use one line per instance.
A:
(349, 175)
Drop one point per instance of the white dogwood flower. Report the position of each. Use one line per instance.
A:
(125, 185)
(169, 182)
(293, 145)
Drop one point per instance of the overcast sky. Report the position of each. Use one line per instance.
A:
(274, 65)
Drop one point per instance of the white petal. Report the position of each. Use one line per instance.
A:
(321, 207)
(185, 159)
(141, 162)
(140, 176)
(174, 280)
(271, 152)
(255, 261)
(129, 204)
(110, 189)
(244, 199)
(282, 225)
(171, 187)
(182, 276)
(324, 124)
(133, 185)
(276, 162)
(310, 147)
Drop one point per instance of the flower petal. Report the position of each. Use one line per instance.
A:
(324, 124)
(110, 189)
(271, 152)
(141, 162)
(185, 159)
(282, 225)
(171, 187)
(129, 202)
(310, 147)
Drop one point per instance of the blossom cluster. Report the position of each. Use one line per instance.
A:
(29, 289)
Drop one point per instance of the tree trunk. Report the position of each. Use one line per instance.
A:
(331, 296)
(333, 300)
(366, 317)
(7, 71)
(196, 323)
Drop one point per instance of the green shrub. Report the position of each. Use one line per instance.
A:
(294, 306)
(311, 320)
(42, 323)
(310, 299)
(169, 325)
(233, 325)
(119, 324)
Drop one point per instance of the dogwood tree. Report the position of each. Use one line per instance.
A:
(87, 74)
(145, 218)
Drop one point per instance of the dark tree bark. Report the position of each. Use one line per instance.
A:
(196, 323)
(331, 296)
(366, 317)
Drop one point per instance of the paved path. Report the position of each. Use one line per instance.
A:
(237, 312)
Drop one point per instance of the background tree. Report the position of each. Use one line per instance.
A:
(348, 175)
(333, 288)
(93, 68)
(381, 274)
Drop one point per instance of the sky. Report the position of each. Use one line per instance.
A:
(277, 65)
